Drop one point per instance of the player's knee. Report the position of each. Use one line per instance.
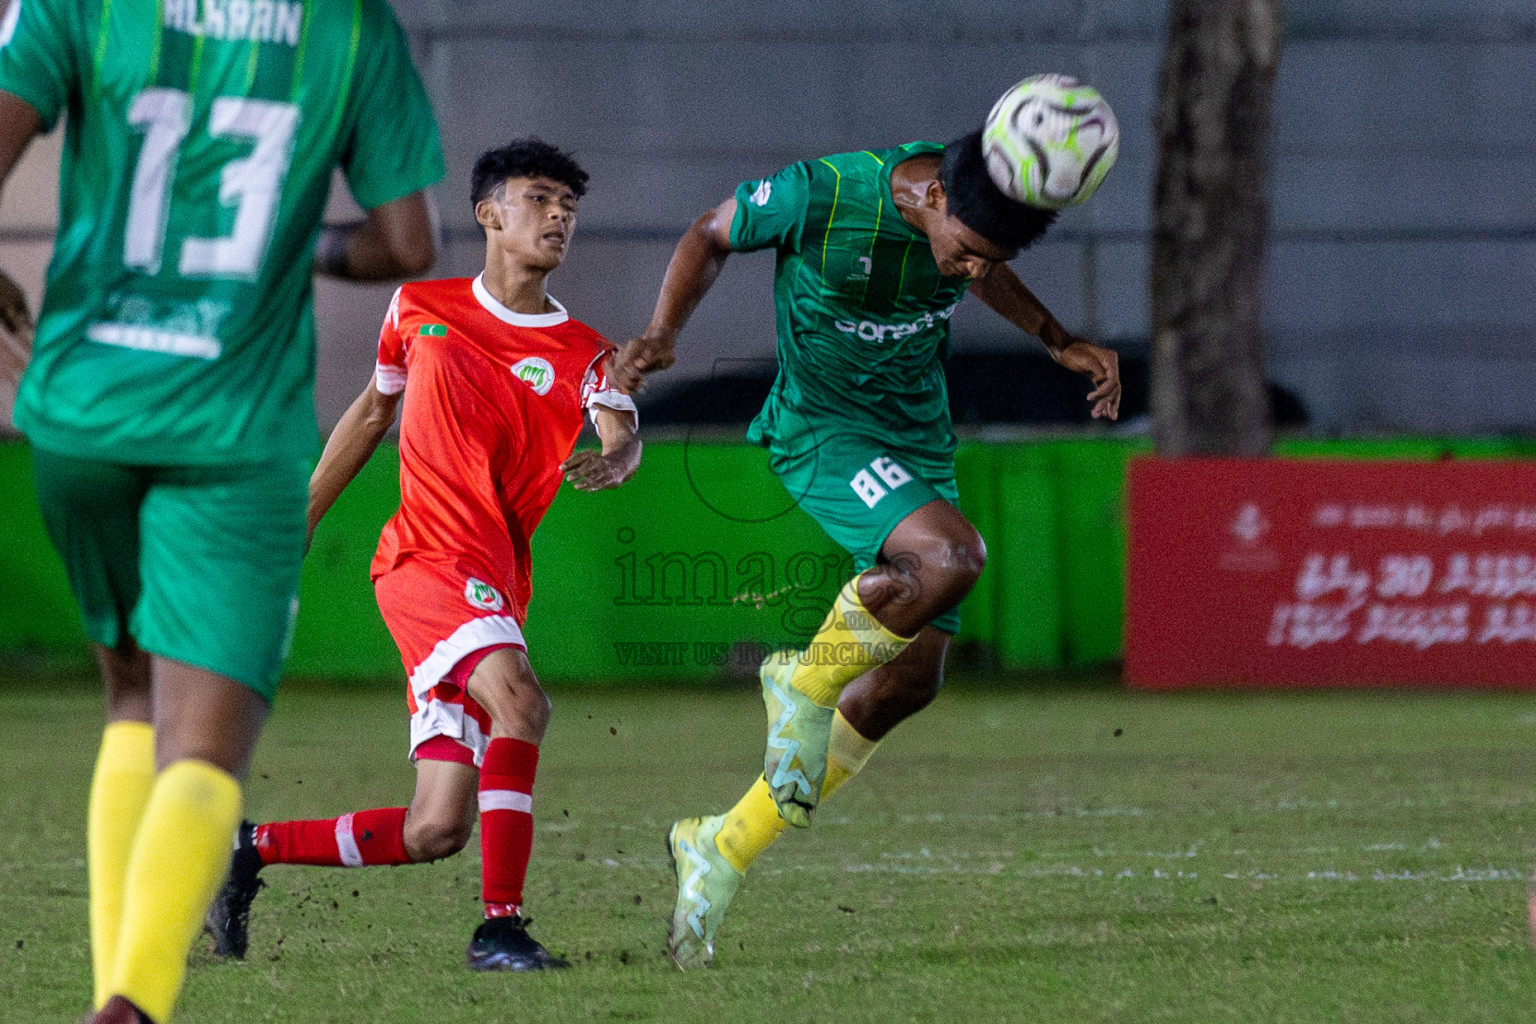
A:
(526, 712)
(540, 707)
(517, 704)
(433, 838)
(950, 566)
(968, 556)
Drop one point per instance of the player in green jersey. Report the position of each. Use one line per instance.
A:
(168, 396)
(875, 250)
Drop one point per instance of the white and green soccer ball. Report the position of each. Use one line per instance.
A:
(1049, 141)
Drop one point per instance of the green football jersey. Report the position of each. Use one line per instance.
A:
(201, 135)
(863, 312)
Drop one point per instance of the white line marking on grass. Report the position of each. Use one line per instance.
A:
(1306, 805)
(942, 817)
(920, 864)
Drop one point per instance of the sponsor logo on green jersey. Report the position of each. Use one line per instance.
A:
(869, 330)
(172, 328)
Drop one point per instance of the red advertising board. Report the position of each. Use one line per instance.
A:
(1320, 573)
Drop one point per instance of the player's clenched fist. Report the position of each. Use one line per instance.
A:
(639, 357)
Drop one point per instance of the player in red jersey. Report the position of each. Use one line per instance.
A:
(497, 378)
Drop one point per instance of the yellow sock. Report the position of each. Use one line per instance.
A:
(851, 641)
(179, 860)
(750, 827)
(847, 754)
(754, 823)
(125, 774)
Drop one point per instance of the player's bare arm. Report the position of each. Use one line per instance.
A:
(18, 124)
(696, 262)
(596, 469)
(1011, 299)
(349, 448)
(399, 239)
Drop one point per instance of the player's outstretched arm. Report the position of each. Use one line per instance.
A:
(349, 447)
(695, 264)
(399, 239)
(1002, 290)
(18, 124)
(598, 470)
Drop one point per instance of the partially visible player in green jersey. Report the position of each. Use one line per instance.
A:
(168, 396)
(875, 251)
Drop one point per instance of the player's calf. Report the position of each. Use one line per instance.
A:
(435, 838)
(880, 700)
(442, 814)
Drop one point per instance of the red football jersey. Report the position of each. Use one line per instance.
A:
(494, 401)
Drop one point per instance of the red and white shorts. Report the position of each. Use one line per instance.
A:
(446, 617)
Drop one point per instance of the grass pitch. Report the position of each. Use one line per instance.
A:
(1042, 854)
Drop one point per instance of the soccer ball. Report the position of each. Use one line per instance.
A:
(1050, 141)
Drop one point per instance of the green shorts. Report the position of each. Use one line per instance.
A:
(199, 564)
(858, 489)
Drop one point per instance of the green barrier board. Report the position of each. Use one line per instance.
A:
(703, 561)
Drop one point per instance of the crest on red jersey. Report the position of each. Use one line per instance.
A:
(536, 373)
(483, 595)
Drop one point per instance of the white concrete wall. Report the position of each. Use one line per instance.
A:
(1401, 278)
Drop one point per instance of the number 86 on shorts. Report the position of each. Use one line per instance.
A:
(868, 488)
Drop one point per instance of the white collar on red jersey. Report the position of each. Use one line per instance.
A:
(502, 313)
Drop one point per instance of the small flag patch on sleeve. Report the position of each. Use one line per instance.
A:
(433, 330)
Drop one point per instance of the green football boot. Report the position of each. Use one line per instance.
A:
(705, 884)
(799, 729)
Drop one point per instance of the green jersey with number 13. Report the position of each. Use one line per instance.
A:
(176, 326)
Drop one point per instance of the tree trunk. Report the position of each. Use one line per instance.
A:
(1211, 209)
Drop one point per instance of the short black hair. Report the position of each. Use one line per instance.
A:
(525, 158)
(980, 205)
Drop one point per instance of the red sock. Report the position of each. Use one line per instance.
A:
(506, 822)
(352, 840)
